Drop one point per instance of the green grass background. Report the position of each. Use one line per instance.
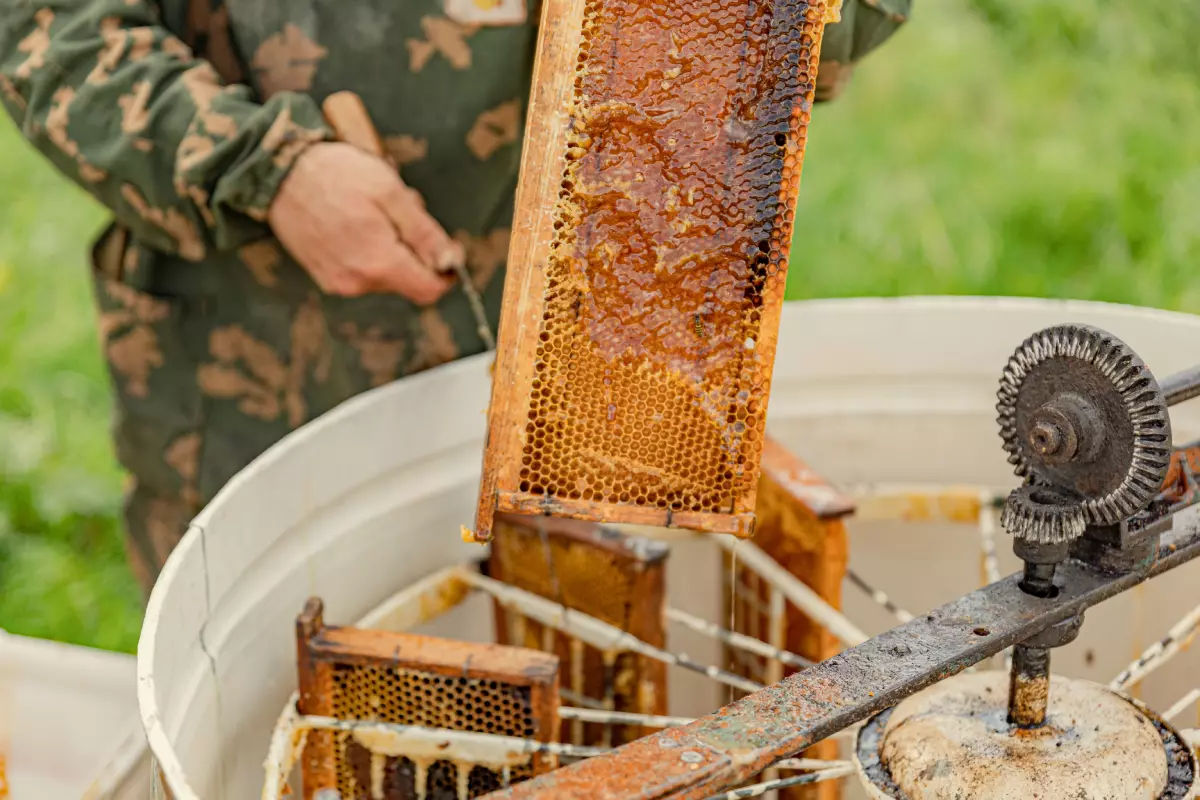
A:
(1020, 147)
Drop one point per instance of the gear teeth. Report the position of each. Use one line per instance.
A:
(1026, 516)
(1140, 394)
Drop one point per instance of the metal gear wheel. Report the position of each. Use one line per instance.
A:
(1080, 411)
(1044, 515)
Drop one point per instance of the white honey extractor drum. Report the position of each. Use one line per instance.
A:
(892, 400)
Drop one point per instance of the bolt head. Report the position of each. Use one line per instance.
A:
(1047, 438)
(1054, 435)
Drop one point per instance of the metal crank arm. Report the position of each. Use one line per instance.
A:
(1181, 386)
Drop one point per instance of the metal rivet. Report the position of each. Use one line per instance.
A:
(690, 757)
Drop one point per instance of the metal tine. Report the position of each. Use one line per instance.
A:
(1182, 704)
(595, 632)
(879, 597)
(1162, 651)
(760, 789)
(735, 639)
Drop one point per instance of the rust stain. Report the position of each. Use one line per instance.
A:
(1175, 484)
(1030, 697)
(665, 766)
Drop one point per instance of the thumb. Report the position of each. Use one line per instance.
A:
(401, 271)
(420, 231)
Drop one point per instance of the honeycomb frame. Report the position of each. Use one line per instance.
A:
(643, 295)
(618, 579)
(358, 674)
(802, 527)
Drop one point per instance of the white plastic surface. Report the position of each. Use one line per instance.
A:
(370, 497)
(65, 714)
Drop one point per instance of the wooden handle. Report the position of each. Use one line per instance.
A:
(347, 115)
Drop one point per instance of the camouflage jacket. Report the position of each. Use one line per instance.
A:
(183, 117)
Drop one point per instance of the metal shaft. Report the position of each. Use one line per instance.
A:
(1029, 673)
(1038, 579)
(1181, 386)
(1029, 686)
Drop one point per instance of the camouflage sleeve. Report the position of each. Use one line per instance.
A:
(125, 110)
(864, 26)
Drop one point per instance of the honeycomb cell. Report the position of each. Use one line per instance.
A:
(660, 296)
(412, 697)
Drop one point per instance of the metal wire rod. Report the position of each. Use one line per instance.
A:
(811, 764)
(489, 749)
(989, 523)
(597, 633)
(879, 597)
(1181, 386)
(799, 595)
(735, 639)
(1182, 704)
(759, 789)
(1161, 651)
(621, 717)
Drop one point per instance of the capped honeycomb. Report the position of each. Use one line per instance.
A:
(354, 674)
(416, 697)
(618, 579)
(658, 187)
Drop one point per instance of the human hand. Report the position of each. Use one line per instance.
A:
(357, 229)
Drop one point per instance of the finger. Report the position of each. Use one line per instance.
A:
(421, 232)
(402, 272)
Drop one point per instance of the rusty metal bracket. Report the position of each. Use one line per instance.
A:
(693, 762)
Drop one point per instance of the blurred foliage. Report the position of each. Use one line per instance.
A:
(62, 563)
(1017, 147)
(1014, 147)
